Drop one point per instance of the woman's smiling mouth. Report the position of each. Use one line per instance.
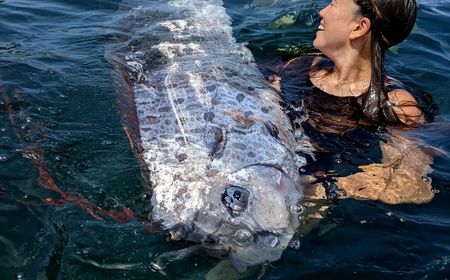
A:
(320, 27)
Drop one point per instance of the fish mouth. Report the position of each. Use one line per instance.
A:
(255, 248)
(243, 246)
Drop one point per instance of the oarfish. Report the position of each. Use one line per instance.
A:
(210, 131)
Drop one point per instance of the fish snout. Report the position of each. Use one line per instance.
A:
(258, 248)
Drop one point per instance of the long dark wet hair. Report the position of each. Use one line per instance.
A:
(391, 22)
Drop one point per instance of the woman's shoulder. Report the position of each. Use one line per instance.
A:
(405, 106)
(403, 103)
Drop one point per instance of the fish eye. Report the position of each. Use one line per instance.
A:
(235, 200)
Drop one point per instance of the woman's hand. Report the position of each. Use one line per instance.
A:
(274, 81)
(401, 177)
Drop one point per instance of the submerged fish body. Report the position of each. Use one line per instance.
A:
(283, 20)
(218, 148)
(306, 14)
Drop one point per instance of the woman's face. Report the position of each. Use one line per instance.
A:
(337, 22)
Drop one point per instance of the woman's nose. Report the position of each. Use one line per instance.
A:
(322, 12)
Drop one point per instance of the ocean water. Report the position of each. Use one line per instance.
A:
(59, 114)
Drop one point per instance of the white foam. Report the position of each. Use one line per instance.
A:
(201, 93)
(174, 50)
(175, 25)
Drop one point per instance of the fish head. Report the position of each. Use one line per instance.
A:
(263, 203)
(252, 216)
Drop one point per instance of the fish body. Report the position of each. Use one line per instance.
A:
(306, 14)
(210, 131)
(283, 20)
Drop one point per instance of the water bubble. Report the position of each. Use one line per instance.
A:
(3, 129)
(389, 213)
(3, 158)
(20, 276)
(295, 244)
(296, 208)
(363, 222)
(435, 191)
(338, 161)
(243, 237)
(106, 142)
(402, 220)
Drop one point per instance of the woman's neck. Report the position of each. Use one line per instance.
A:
(350, 76)
(352, 68)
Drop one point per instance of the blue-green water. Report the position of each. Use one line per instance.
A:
(58, 84)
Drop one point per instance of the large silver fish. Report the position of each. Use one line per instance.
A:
(219, 150)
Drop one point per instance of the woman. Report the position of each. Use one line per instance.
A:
(346, 93)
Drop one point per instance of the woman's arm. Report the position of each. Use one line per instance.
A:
(401, 177)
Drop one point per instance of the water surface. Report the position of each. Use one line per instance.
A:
(62, 101)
